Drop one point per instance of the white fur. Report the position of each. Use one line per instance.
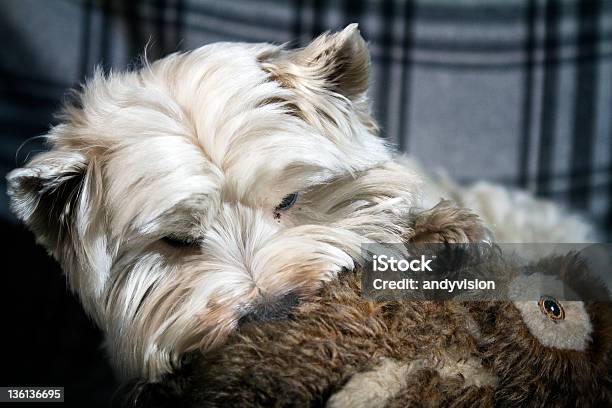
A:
(204, 145)
(514, 216)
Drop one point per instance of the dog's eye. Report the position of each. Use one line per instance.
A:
(551, 308)
(287, 202)
(178, 242)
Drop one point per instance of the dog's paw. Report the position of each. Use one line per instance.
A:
(448, 224)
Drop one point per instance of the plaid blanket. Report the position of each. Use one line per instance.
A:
(517, 92)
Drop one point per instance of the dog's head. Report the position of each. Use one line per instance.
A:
(210, 187)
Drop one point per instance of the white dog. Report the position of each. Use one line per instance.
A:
(215, 186)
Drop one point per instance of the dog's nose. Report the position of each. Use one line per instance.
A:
(271, 308)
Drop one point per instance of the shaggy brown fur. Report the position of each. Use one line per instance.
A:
(305, 360)
(533, 375)
(446, 353)
(340, 349)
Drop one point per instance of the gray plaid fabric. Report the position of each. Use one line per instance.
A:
(517, 92)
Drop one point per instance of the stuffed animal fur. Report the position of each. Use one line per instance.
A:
(343, 350)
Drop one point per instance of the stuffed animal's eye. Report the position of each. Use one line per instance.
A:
(179, 242)
(551, 308)
(287, 202)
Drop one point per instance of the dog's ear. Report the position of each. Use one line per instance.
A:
(44, 194)
(338, 62)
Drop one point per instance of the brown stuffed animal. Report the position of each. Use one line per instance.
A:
(342, 350)
(444, 223)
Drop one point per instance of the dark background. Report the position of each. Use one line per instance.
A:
(512, 91)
